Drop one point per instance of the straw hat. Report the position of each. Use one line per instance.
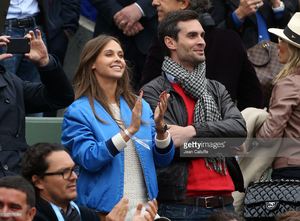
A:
(291, 33)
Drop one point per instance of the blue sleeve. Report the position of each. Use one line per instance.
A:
(237, 22)
(78, 136)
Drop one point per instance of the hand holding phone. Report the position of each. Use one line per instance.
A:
(18, 46)
(38, 51)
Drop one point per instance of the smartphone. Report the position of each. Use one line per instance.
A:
(18, 46)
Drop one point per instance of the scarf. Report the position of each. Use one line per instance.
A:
(195, 85)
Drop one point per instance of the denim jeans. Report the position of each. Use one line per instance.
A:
(18, 64)
(179, 212)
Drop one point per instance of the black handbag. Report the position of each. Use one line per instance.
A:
(266, 199)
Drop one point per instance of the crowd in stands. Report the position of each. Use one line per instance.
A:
(158, 78)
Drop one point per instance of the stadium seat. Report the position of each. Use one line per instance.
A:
(43, 129)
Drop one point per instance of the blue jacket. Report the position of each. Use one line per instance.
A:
(101, 180)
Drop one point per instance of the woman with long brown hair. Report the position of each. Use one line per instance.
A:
(111, 133)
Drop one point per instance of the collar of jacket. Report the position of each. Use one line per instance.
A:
(167, 83)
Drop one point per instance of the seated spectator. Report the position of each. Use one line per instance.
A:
(21, 97)
(284, 110)
(17, 199)
(54, 174)
(223, 216)
(289, 216)
(226, 57)
(191, 187)
(113, 134)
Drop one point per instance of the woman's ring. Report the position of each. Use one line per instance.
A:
(256, 6)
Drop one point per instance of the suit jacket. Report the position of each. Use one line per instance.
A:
(46, 213)
(248, 31)
(105, 23)
(56, 15)
(226, 62)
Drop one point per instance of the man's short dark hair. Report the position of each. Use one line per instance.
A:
(34, 160)
(169, 25)
(21, 184)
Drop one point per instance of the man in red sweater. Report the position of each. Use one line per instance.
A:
(192, 188)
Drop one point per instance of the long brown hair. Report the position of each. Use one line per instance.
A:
(292, 64)
(86, 84)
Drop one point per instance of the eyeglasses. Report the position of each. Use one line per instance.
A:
(65, 173)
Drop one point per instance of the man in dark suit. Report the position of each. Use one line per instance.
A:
(134, 23)
(53, 174)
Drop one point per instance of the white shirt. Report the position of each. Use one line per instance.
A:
(22, 9)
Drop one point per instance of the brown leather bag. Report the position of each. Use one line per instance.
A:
(264, 58)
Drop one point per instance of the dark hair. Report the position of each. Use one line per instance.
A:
(222, 215)
(34, 160)
(289, 216)
(21, 184)
(169, 25)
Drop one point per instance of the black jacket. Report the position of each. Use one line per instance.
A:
(19, 97)
(172, 180)
(46, 213)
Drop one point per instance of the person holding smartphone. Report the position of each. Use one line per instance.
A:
(18, 97)
(57, 19)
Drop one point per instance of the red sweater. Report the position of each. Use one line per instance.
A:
(202, 181)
